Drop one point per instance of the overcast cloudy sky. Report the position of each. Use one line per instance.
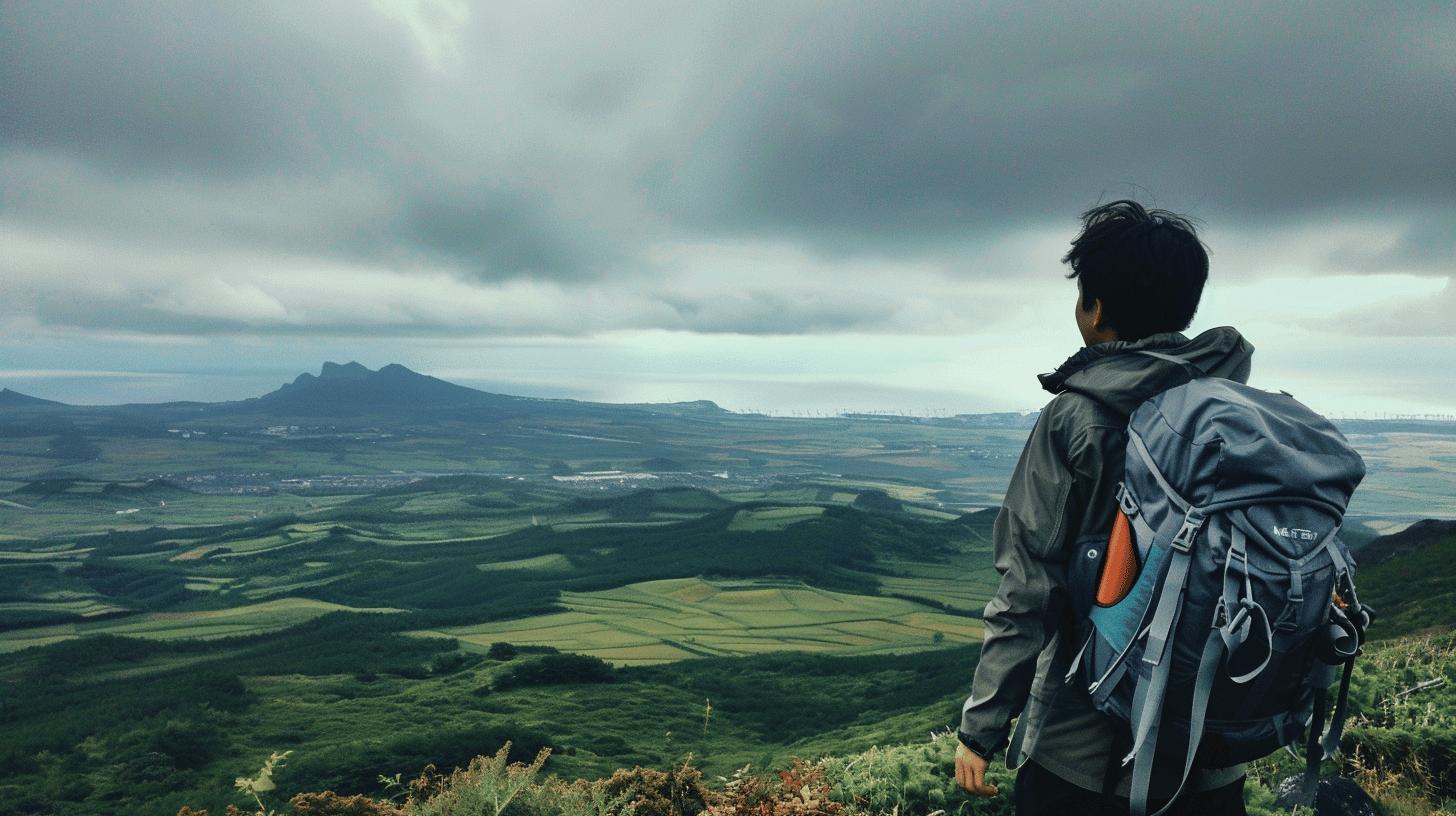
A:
(784, 206)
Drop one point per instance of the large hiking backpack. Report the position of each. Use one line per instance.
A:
(1224, 601)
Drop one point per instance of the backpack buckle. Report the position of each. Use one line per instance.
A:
(1126, 502)
(1220, 614)
(1192, 523)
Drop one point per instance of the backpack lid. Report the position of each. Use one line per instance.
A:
(1219, 440)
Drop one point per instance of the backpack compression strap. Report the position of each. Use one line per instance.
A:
(1215, 647)
(1355, 625)
(1317, 749)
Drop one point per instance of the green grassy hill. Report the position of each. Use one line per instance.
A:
(143, 670)
(1399, 748)
(1410, 578)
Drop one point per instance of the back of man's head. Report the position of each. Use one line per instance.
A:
(1147, 267)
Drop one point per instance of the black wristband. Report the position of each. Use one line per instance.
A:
(974, 744)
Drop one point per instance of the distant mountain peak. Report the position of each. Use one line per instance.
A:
(349, 370)
(341, 389)
(352, 371)
(15, 399)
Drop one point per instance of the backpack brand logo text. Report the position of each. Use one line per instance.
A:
(1294, 533)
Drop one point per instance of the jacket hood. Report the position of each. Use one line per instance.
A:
(1114, 374)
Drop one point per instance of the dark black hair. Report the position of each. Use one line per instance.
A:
(1147, 267)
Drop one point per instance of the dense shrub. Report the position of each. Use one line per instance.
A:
(679, 792)
(329, 803)
(355, 767)
(449, 663)
(501, 650)
(555, 669)
(799, 791)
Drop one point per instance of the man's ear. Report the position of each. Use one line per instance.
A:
(1098, 322)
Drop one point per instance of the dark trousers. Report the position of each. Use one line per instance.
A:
(1039, 792)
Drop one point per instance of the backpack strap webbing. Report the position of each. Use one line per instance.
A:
(1331, 742)
(1151, 706)
(1313, 753)
(1152, 688)
(1208, 663)
(1238, 610)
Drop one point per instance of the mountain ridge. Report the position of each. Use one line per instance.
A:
(14, 399)
(352, 388)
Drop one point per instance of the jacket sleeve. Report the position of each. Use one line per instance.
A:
(1029, 539)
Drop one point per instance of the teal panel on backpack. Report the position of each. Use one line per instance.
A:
(1118, 624)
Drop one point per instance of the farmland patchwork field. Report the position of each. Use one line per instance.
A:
(676, 618)
(269, 616)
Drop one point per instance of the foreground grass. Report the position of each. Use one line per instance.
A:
(1399, 748)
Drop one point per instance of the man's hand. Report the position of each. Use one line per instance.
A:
(970, 772)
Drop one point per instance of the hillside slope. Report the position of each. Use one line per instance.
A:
(1410, 578)
(1398, 749)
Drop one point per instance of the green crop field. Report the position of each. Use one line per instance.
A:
(252, 619)
(772, 518)
(549, 562)
(965, 586)
(672, 619)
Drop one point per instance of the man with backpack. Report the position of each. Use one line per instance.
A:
(1140, 275)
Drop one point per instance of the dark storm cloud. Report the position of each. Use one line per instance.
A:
(198, 98)
(565, 145)
(207, 88)
(872, 125)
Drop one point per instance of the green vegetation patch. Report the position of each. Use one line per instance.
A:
(1409, 578)
(239, 620)
(670, 619)
(773, 518)
(549, 562)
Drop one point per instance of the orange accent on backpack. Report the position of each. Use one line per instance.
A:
(1120, 565)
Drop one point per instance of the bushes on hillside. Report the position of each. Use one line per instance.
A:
(501, 650)
(329, 803)
(650, 792)
(494, 786)
(554, 669)
(355, 767)
(911, 780)
(1398, 748)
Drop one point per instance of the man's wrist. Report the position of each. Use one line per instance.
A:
(981, 749)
